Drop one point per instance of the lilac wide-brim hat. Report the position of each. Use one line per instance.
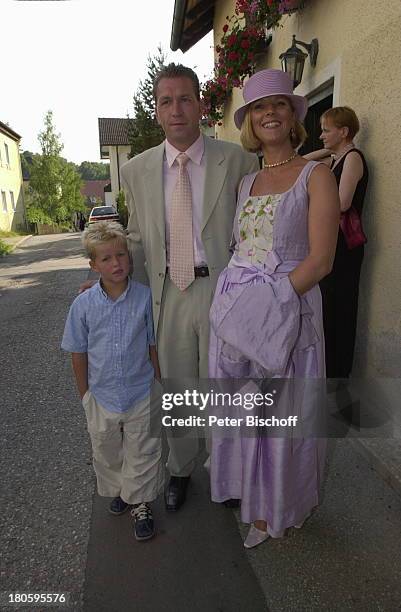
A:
(270, 82)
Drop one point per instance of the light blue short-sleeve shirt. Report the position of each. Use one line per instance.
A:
(116, 335)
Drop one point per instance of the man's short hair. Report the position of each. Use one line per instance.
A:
(101, 232)
(174, 71)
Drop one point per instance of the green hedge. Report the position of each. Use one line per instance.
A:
(4, 248)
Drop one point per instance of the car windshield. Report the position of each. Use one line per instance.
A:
(103, 210)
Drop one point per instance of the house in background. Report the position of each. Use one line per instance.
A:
(95, 192)
(114, 146)
(357, 44)
(12, 206)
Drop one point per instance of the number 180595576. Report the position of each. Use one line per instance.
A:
(35, 598)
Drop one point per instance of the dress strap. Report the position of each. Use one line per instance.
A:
(307, 171)
(245, 187)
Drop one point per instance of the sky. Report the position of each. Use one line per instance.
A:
(82, 59)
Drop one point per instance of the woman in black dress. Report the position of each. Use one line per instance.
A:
(341, 287)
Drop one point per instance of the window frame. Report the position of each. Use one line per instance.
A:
(4, 201)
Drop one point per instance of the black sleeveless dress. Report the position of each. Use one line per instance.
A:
(340, 290)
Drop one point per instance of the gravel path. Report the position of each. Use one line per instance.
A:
(47, 480)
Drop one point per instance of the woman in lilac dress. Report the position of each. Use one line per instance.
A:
(266, 317)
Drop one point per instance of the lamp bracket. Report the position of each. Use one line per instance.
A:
(312, 48)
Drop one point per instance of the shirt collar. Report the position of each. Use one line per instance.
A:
(194, 152)
(104, 295)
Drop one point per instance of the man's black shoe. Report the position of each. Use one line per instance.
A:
(176, 491)
(232, 503)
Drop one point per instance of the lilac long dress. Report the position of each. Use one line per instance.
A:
(257, 316)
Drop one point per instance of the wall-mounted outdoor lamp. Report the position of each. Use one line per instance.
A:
(293, 60)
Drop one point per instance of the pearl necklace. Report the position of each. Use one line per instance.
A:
(338, 156)
(279, 163)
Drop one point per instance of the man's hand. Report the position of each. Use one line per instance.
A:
(86, 285)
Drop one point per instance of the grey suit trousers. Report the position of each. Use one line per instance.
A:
(183, 346)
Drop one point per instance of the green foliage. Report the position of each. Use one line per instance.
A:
(27, 158)
(34, 214)
(8, 234)
(144, 131)
(4, 248)
(54, 190)
(122, 208)
(91, 171)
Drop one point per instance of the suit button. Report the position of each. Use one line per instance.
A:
(157, 303)
(161, 274)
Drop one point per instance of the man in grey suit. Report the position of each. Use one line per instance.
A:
(214, 169)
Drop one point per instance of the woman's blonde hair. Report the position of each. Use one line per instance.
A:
(101, 232)
(249, 141)
(343, 116)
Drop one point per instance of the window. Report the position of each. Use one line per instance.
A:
(3, 198)
(7, 154)
(12, 200)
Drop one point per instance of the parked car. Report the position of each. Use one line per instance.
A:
(103, 213)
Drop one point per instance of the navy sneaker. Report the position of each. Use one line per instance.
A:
(118, 506)
(142, 522)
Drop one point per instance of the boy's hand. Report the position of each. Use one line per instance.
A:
(86, 285)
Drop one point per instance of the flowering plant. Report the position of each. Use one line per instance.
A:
(244, 35)
(236, 57)
(266, 12)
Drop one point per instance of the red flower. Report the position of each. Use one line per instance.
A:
(229, 70)
(225, 28)
(231, 40)
(245, 44)
(251, 55)
(233, 56)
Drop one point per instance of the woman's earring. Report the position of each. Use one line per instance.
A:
(292, 133)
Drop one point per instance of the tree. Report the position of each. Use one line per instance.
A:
(91, 171)
(27, 158)
(54, 182)
(144, 131)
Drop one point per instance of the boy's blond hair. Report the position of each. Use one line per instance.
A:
(101, 232)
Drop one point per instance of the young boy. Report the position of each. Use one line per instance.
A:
(109, 331)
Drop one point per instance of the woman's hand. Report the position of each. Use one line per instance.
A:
(323, 222)
(319, 155)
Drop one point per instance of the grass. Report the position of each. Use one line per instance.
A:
(4, 248)
(4, 234)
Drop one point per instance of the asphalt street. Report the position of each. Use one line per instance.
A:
(57, 537)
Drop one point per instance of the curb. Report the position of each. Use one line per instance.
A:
(23, 238)
(13, 244)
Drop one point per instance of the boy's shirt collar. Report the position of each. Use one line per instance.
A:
(105, 295)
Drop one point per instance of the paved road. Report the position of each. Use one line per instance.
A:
(55, 532)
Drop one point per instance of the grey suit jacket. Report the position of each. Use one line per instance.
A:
(142, 182)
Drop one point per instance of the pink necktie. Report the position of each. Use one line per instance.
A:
(181, 241)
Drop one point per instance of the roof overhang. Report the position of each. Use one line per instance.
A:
(192, 20)
(5, 129)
